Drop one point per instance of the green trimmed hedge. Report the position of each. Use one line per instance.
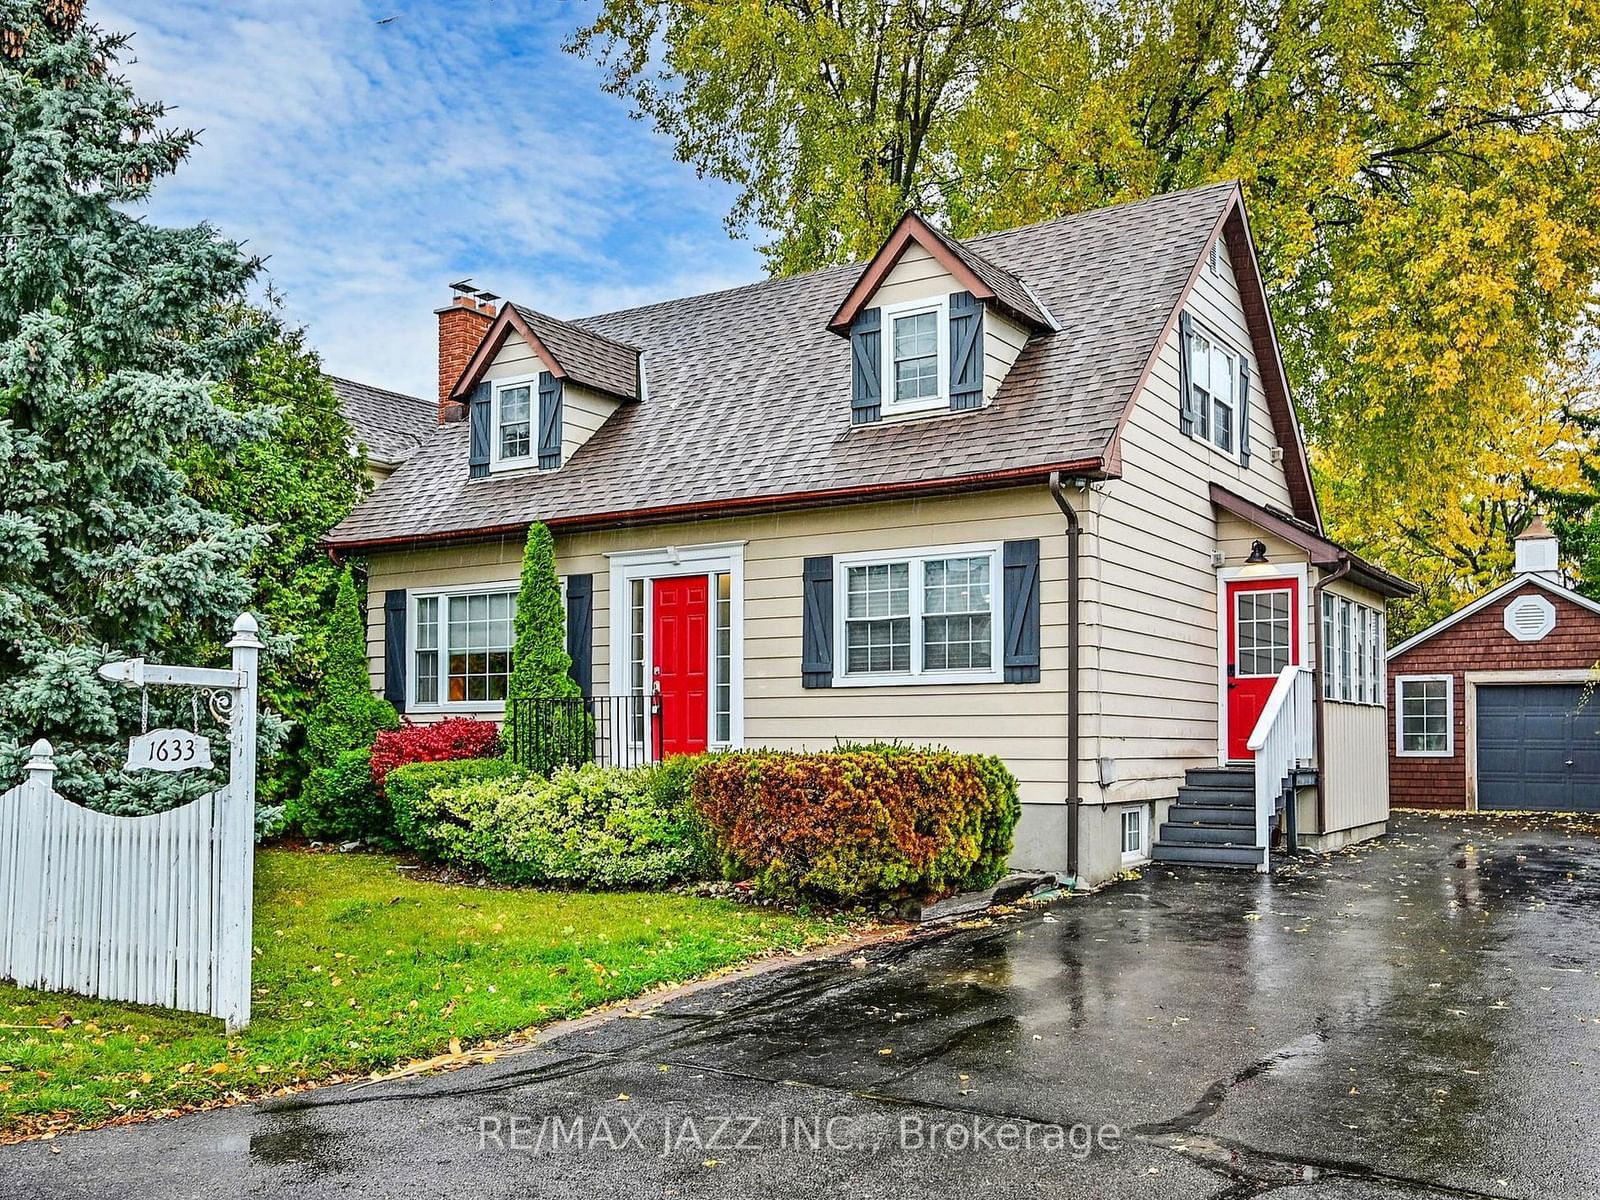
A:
(441, 832)
(860, 821)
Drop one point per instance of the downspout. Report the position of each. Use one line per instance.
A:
(1343, 569)
(1074, 532)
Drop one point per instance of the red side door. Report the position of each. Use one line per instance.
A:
(681, 631)
(1263, 638)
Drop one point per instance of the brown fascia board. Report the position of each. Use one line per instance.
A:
(1089, 468)
(1232, 225)
(493, 338)
(1322, 552)
(910, 228)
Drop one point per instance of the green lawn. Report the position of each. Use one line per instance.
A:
(359, 967)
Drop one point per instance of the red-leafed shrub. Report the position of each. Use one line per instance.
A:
(458, 737)
(879, 821)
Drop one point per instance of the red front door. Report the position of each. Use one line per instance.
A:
(682, 640)
(1263, 639)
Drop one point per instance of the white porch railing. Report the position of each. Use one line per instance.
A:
(1284, 738)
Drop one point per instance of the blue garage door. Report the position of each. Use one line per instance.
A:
(1539, 747)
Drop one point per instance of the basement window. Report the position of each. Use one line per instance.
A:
(1135, 835)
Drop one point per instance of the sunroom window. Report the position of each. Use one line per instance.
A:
(919, 616)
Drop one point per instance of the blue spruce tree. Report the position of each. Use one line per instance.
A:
(114, 335)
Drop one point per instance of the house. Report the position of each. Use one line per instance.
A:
(1493, 706)
(1040, 494)
(388, 426)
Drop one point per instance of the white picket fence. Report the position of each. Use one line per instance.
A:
(155, 909)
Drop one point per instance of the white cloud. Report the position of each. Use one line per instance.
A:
(373, 163)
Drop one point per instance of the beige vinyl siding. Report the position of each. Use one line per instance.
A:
(1355, 747)
(1003, 340)
(1150, 669)
(917, 276)
(583, 410)
(1023, 723)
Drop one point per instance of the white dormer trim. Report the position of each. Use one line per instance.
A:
(939, 306)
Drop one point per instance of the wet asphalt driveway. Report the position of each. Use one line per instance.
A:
(1420, 1017)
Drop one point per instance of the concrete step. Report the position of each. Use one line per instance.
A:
(1211, 814)
(1221, 777)
(1207, 855)
(1231, 835)
(1217, 797)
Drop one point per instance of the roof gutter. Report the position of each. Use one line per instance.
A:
(1074, 533)
(1088, 467)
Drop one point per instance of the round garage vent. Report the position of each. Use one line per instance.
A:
(1529, 618)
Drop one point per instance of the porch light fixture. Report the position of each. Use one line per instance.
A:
(1258, 552)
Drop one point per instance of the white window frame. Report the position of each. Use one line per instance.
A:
(443, 595)
(521, 462)
(939, 306)
(671, 562)
(917, 556)
(1449, 750)
(1142, 854)
(1352, 670)
(1208, 431)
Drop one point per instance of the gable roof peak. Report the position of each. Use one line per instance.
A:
(567, 350)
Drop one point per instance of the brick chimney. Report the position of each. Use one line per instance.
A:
(462, 324)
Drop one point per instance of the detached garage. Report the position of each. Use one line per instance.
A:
(1495, 707)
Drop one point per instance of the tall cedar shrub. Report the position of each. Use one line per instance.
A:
(541, 667)
(347, 716)
(114, 334)
(860, 822)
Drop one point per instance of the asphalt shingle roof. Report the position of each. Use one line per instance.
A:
(747, 392)
(391, 425)
(587, 357)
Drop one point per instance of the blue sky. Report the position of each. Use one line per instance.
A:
(374, 163)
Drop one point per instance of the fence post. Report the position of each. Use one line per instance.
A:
(238, 840)
(41, 766)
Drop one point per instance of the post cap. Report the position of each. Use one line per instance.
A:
(40, 756)
(245, 633)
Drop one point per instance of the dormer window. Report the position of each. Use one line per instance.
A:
(513, 412)
(915, 369)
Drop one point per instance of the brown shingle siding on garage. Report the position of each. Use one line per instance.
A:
(1480, 643)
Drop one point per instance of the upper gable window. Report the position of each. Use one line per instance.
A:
(513, 421)
(915, 368)
(1214, 376)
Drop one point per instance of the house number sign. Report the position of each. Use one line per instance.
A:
(169, 750)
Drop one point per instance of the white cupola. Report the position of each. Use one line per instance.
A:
(1539, 552)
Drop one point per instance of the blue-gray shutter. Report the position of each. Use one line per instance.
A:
(816, 639)
(966, 351)
(549, 421)
(478, 416)
(1021, 596)
(580, 631)
(1242, 415)
(394, 648)
(866, 367)
(1185, 392)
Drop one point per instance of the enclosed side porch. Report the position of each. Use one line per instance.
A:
(1302, 760)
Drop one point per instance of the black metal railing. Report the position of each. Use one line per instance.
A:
(543, 733)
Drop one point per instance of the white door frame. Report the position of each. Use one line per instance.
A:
(1296, 572)
(675, 562)
(1469, 716)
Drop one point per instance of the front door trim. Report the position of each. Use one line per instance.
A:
(1287, 571)
(668, 562)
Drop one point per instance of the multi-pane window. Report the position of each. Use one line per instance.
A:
(722, 658)
(957, 605)
(463, 647)
(1263, 631)
(916, 357)
(1213, 376)
(515, 437)
(636, 657)
(926, 614)
(878, 619)
(1133, 834)
(1352, 651)
(1423, 717)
